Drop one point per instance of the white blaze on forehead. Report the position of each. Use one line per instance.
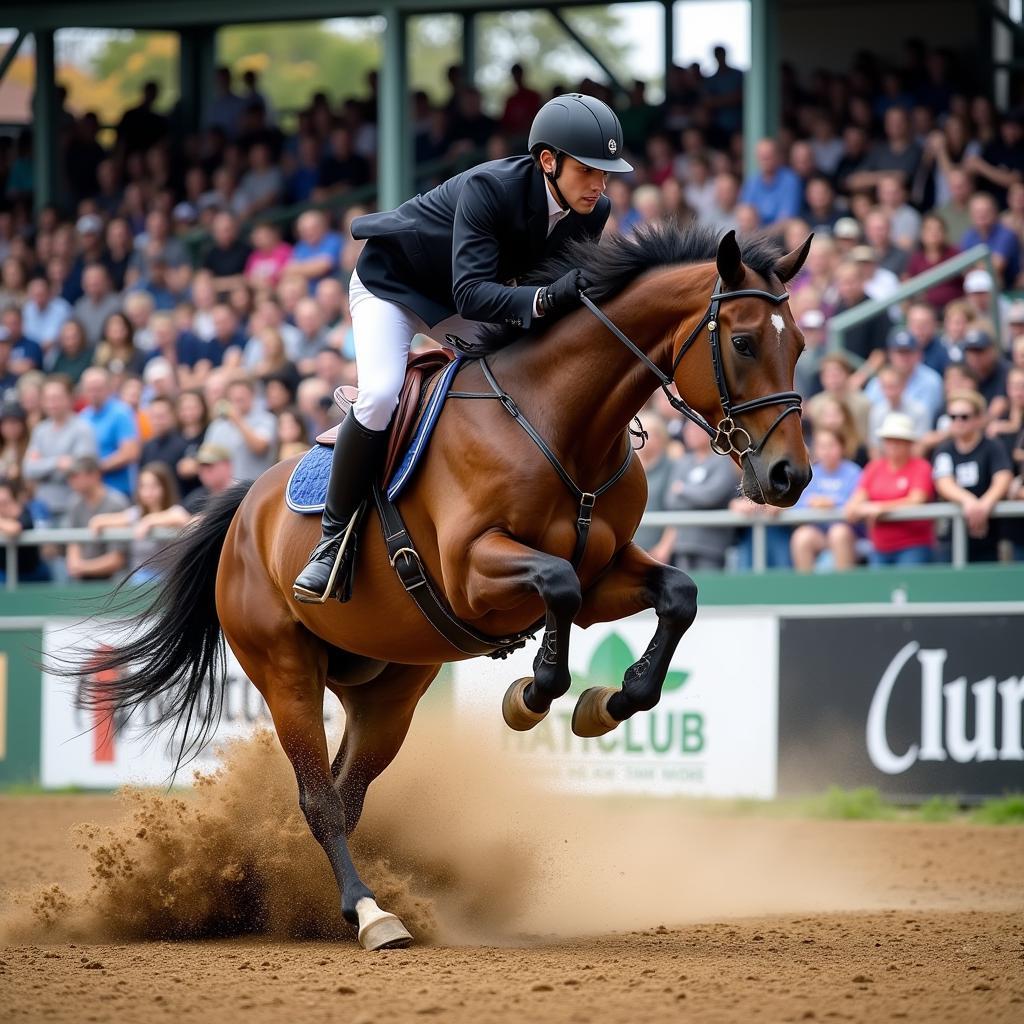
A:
(778, 323)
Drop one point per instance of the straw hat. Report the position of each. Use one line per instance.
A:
(898, 426)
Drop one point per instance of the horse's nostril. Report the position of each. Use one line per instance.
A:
(780, 476)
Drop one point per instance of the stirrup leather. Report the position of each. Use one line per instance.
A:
(305, 596)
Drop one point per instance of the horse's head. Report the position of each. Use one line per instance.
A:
(748, 395)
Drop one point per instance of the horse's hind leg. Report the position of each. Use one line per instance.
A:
(293, 685)
(377, 719)
(634, 582)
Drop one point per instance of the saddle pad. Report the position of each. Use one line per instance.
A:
(306, 492)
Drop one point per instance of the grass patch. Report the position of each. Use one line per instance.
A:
(1001, 810)
(939, 808)
(862, 804)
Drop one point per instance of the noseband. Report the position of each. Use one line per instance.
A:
(725, 437)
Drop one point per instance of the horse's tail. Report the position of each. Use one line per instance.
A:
(171, 655)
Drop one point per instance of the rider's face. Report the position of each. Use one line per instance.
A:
(582, 186)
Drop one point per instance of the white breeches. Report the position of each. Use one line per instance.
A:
(383, 332)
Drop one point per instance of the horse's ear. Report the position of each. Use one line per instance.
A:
(730, 265)
(789, 265)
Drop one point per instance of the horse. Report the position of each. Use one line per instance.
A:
(494, 527)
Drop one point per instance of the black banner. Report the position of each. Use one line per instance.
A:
(914, 705)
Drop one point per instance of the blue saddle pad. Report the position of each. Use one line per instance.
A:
(307, 486)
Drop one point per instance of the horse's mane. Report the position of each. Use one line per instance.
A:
(612, 262)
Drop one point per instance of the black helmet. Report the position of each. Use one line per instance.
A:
(583, 127)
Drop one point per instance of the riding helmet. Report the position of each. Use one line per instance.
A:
(583, 127)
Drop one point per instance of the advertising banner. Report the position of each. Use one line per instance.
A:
(80, 748)
(911, 704)
(712, 734)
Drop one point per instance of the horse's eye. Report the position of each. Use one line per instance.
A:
(741, 343)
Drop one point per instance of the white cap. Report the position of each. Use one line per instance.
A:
(898, 426)
(978, 281)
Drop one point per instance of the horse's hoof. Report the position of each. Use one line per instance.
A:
(514, 710)
(378, 929)
(591, 717)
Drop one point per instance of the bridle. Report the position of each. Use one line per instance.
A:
(724, 436)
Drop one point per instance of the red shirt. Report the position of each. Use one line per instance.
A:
(882, 483)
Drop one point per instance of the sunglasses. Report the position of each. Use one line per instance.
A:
(961, 416)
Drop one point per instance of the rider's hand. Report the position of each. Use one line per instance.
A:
(563, 294)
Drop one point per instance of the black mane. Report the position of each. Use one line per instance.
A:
(611, 263)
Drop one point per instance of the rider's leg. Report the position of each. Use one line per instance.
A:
(382, 332)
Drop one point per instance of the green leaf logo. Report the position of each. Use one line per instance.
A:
(608, 664)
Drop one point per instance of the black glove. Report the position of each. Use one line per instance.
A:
(563, 294)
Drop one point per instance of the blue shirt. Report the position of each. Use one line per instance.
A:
(923, 387)
(329, 245)
(28, 349)
(45, 324)
(777, 200)
(839, 486)
(1002, 241)
(112, 425)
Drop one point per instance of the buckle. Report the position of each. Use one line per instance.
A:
(410, 572)
(587, 501)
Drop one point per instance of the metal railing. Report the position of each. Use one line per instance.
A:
(711, 517)
(842, 322)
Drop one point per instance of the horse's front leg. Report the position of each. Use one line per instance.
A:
(502, 572)
(635, 582)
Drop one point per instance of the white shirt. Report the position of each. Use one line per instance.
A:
(555, 214)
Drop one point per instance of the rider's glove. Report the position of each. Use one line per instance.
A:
(563, 294)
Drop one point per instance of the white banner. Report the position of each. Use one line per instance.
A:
(81, 749)
(714, 732)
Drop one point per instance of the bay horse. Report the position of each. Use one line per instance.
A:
(494, 526)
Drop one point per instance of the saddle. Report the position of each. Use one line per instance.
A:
(422, 369)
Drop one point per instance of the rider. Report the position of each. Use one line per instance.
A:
(446, 262)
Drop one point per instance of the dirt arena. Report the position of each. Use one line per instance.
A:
(528, 907)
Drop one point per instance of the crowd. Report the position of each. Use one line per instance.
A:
(139, 374)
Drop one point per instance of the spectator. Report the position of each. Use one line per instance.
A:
(955, 211)
(262, 185)
(142, 127)
(267, 261)
(820, 209)
(312, 336)
(905, 221)
(227, 258)
(44, 313)
(522, 105)
(97, 302)
(974, 472)
(832, 485)
(156, 492)
(699, 480)
(776, 537)
(158, 243)
(983, 358)
(983, 297)
(226, 110)
(934, 248)
(166, 443)
(25, 353)
(654, 457)
(227, 343)
(215, 476)
(899, 152)
(812, 325)
(923, 327)
(292, 439)
(114, 428)
(775, 191)
(892, 397)
(116, 351)
(1002, 242)
(15, 517)
(865, 340)
(318, 250)
(193, 419)
(878, 234)
(1000, 163)
(722, 214)
(13, 441)
(835, 372)
(879, 283)
(724, 91)
(1007, 429)
(342, 169)
(119, 253)
(54, 445)
(139, 308)
(922, 386)
(92, 559)
(895, 479)
(245, 431)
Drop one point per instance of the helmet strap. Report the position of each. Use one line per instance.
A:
(553, 177)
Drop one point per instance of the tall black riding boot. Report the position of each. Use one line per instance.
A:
(358, 454)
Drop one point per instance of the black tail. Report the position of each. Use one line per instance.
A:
(171, 657)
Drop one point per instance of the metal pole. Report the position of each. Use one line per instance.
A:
(588, 50)
(393, 171)
(959, 540)
(469, 47)
(761, 82)
(997, 326)
(12, 563)
(44, 128)
(11, 52)
(669, 40)
(759, 546)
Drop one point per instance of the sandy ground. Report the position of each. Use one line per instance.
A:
(528, 907)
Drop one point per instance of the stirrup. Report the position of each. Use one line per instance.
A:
(304, 596)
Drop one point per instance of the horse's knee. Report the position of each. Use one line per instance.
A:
(559, 585)
(679, 599)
